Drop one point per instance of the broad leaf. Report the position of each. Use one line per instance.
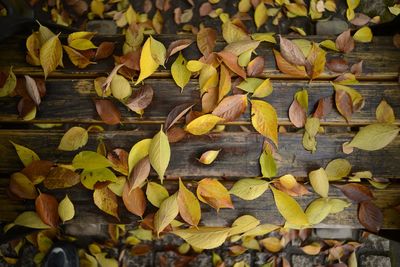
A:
(25, 154)
(166, 214)
(106, 200)
(202, 124)
(319, 181)
(249, 189)
(160, 153)
(189, 206)
(47, 208)
(156, 193)
(265, 119)
(73, 139)
(66, 209)
(204, 237)
(213, 193)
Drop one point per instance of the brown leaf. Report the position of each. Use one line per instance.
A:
(140, 99)
(231, 107)
(356, 68)
(370, 216)
(106, 200)
(177, 46)
(297, 114)
(360, 19)
(163, 5)
(231, 61)
(77, 57)
(206, 40)
(139, 173)
(288, 68)
(344, 42)
(205, 9)
(32, 89)
(60, 177)
(175, 134)
(177, 15)
(256, 66)
(344, 104)
(47, 208)
(324, 107)
(147, 6)
(37, 170)
(209, 100)
(134, 200)
(356, 192)
(337, 65)
(130, 60)
(291, 52)
(176, 114)
(22, 187)
(108, 112)
(119, 159)
(25, 106)
(104, 50)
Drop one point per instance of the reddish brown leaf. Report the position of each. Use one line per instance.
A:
(177, 15)
(231, 61)
(107, 111)
(177, 46)
(38, 170)
(344, 104)
(256, 66)
(231, 107)
(104, 50)
(140, 99)
(205, 9)
(163, 5)
(209, 100)
(80, 7)
(25, 106)
(324, 107)
(130, 60)
(176, 114)
(291, 52)
(47, 208)
(206, 40)
(134, 200)
(370, 216)
(297, 114)
(344, 42)
(356, 192)
(176, 134)
(286, 67)
(139, 173)
(356, 69)
(147, 6)
(119, 158)
(337, 65)
(60, 177)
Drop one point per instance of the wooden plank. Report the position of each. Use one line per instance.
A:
(71, 101)
(239, 156)
(380, 58)
(262, 208)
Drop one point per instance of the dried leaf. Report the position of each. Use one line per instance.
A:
(297, 114)
(206, 40)
(344, 42)
(204, 237)
(9, 85)
(166, 214)
(319, 181)
(233, 33)
(176, 114)
(288, 68)
(231, 107)
(80, 35)
(73, 139)
(370, 216)
(139, 173)
(47, 208)
(337, 65)
(30, 219)
(337, 169)
(60, 177)
(189, 206)
(51, 55)
(385, 113)
(106, 200)
(156, 193)
(231, 61)
(138, 152)
(317, 59)
(176, 134)
(180, 73)
(312, 249)
(205, 9)
(324, 107)
(159, 154)
(22, 187)
(240, 47)
(32, 90)
(37, 170)
(249, 189)
(177, 46)
(140, 99)
(292, 52)
(363, 35)
(104, 50)
(25, 154)
(148, 65)
(265, 119)
(108, 112)
(66, 209)
(256, 66)
(356, 192)
(202, 124)
(212, 192)
(77, 58)
(134, 200)
(344, 104)
(119, 159)
(89, 178)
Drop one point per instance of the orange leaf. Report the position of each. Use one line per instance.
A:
(212, 192)
(47, 208)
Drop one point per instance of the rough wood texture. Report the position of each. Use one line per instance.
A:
(72, 101)
(239, 156)
(262, 208)
(380, 58)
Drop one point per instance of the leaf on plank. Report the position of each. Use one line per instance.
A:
(104, 50)
(30, 219)
(298, 109)
(22, 187)
(80, 35)
(209, 156)
(89, 178)
(148, 65)
(47, 208)
(73, 139)
(356, 68)
(204, 237)
(339, 65)
(288, 68)
(32, 89)
(344, 104)
(169, 209)
(319, 181)
(33, 47)
(231, 107)
(231, 32)
(268, 165)
(156, 193)
(312, 126)
(260, 14)
(176, 134)
(119, 160)
(134, 200)
(213, 193)
(180, 73)
(324, 107)
(90, 160)
(344, 42)
(317, 60)
(256, 66)
(243, 224)
(356, 192)
(37, 170)
(384, 113)
(106, 200)
(206, 40)
(107, 111)
(231, 61)
(27, 109)
(139, 173)
(60, 177)
(66, 209)
(363, 35)
(77, 58)
(272, 244)
(338, 169)
(138, 152)
(120, 87)
(318, 210)
(177, 46)
(51, 55)
(189, 206)
(25, 154)
(264, 119)
(140, 99)
(291, 52)
(249, 189)
(176, 114)
(225, 82)
(370, 216)
(202, 124)
(160, 154)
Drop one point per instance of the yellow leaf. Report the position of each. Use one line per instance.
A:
(302, 97)
(74, 138)
(263, 90)
(97, 7)
(298, 30)
(312, 249)
(337, 169)
(208, 78)
(318, 210)
(80, 35)
(166, 214)
(243, 224)
(21, 186)
(232, 33)
(329, 44)
(202, 124)
(288, 181)
(106, 200)
(194, 65)
(338, 205)
(66, 209)
(156, 193)
(225, 83)
(297, 9)
(204, 237)
(249, 189)
(44, 34)
(104, 260)
(51, 55)
(82, 44)
(180, 73)
(209, 156)
(160, 154)
(25, 154)
(189, 206)
(272, 244)
(265, 119)
(395, 9)
(317, 58)
(260, 15)
(212, 192)
(90, 177)
(117, 187)
(385, 113)
(260, 230)
(350, 14)
(363, 35)
(319, 181)
(264, 37)
(353, 4)
(147, 63)
(158, 51)
(120, 87)
(356, 97)
(30, 219)
(268, 165)
(138, 152)
(375, 136)
(9, 84)
(289, 208)
(90, 160)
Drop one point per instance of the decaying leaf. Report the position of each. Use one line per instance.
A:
(176, 114)
(256, 66)
(25, 154)
(160, 153)
(140, 99)
(212, 192)
(177, 46)
(288, 68)
(134, 200)
(189, 206)
(106, 200)
(356, 192)
(139, 173)
(291, 52)
(344, 42)
(138, 152)
(60, 177)
(206, 40)
(108, 112)
(22, 187)
(77, 58)
(370, 216)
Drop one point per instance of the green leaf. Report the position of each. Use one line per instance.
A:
(160, 153)
(156, 193)
(89, 160)
(25, 154)
(9, 84)
(374, 136)
(180, 73)
(73, 139)
(138, 152)
(90, 177)
(268, 165)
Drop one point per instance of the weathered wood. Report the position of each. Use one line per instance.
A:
(262, 208)
(239, 156)
(381, 58)
(72, 101)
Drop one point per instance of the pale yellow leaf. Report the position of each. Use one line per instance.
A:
(260, 15)
(73, 139)
(202, 124)
(249, 189)
(25, 154)
(166, 214)
(180, 73)
(204, 237)
(189, 206)
(138, 152)
(319, 181)
(363, 35)
(375, 136)
(338, 169)
(66, 209)
(156, 193)
(265, 119)
(160, 154)
(30, 219)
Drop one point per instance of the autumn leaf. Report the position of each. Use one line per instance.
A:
(169, 209)
(73, 139)
(47, 208)
(160, 153)
(134, 200)
(90, 160)
(363, 35)
(243, 224)
(338, 169)
(104, 50)
(288, 68)
(189, 206)
(148, 65)
(232, 33)
(208, 78)
(66, 209)
(140, 99)
(106, 200)
(204, 237)
(156, 193)
(139, 173)
(344, 42)
(297, 114)
(249, 189)
(178, 45)
(108, 112)
(180, 73)
(256, 66)
(385, 113)
(22, 187)
(119, 160)
(89, 178)
(370, 216)
(231, 107)
(267, 164)
(356, 192)
(30, 219)
(265, 119)
(33, 47)
(60, 177)
(317, 59)
(206, 40)
(120, 87)
(209, 156)
(202, 124)
(272, 244)
(319, 181)
(318, 210)
(77, 58)
(37, 170)
(9, 85)
(213, 193)
(25, 154)
(138, 152)
(260, 15)
(176, 114)
(231, 61)
(291, 52)
(51, 55)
